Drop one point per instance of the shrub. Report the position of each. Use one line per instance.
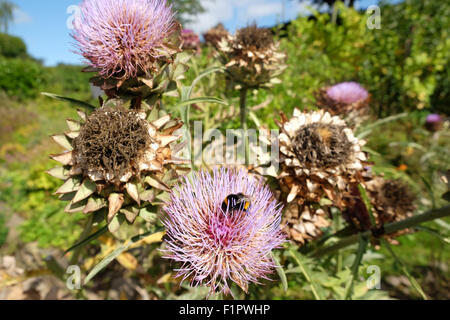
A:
(68, 80)
(20, 78)
(12, 47)
(405, 64)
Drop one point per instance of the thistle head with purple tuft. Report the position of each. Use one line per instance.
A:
(215, 246)
(191, 41)
(347, 92)
(433, 122)
(349, 100)
(123, 38)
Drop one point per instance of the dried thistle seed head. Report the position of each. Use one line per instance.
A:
(396, 197)
(118, 161)
(319, 156)
(392, 200)
(214, 35)
(252, 58)
(111, 142)
(254, 37)
(322, 145)
(304, 223)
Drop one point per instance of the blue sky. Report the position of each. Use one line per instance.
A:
(44, 24)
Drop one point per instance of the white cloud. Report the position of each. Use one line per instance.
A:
(241, 12)
(264, 9)
(215, 12)
(21, 17)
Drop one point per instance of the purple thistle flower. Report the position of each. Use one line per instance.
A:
(190, 39)
(433, 122)
(216, 247)
(347, 92)
(121, 38)
(433, 118)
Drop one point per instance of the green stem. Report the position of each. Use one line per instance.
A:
(187, 113)
(388, 229)
(411, 279)
(243, 108)
(305, 272)
(363, 242)
(84, 234)
(339, 253)
(185, 117)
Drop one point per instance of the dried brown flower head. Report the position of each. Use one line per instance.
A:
(110, 141)
(322, 145)
(319, 156)
(214, 35)
(254, 37)
(117, 160)
(304, 223)
(252, 57)
(392, 199)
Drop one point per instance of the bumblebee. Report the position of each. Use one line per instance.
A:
(235, 202)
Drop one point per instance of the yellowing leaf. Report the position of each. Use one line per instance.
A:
(128, 261)
(167, 278)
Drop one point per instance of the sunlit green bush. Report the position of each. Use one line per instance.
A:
(12, 47)
(29, 193)
(20, 78)
(404, 64)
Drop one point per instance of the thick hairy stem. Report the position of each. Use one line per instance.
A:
(187, 112)
(388, 229)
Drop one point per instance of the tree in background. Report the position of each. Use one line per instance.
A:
(330, 3)
(349, 3)
(6, 14)
(186, 10)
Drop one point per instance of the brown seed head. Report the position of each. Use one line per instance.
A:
(322, 145)
(111, 141)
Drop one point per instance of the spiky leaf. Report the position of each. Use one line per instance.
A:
(61, 173)
(115, 223)
(63, 141)
(156, 183)
(73, 125)
(147, 215)
(72, 134)
(87, 188)
(94, 204)
(132, 190)
(71, 185)
(65, 158)
(115, 203)
(82, 114)
(131, 213)
(75, 207)
(70, 100)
